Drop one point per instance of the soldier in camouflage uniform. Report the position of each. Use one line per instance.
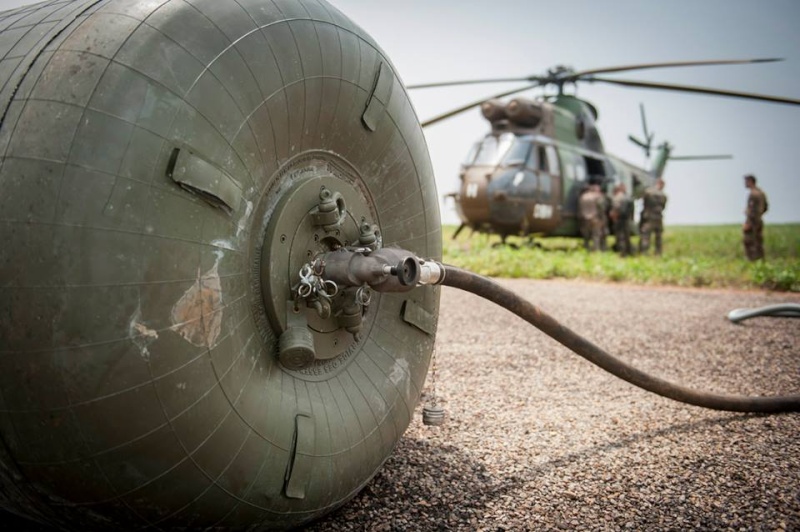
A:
(605, 208)
(621, 215)
(591, 213)
(653, 217)
(753, 228)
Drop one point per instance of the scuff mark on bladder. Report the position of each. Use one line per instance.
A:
(399, 375)
(141, 335)
(197, 316)
(243, 221)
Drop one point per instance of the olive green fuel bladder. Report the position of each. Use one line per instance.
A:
(145, 149)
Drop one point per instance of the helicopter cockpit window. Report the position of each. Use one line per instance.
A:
(546, 187)
(492, 149)
(552, 160)
(532, 162)
(471, 154)
(580, 168)
(517, 154)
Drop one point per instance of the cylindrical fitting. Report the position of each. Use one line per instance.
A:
(296, 348)
(368, 235)
(431, 272)
(351, 318)
(385, 270)
(433, 416)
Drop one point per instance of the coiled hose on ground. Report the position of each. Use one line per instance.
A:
(488, 289)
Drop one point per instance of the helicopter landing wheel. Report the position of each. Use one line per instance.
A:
(503, 242)
(531, 242)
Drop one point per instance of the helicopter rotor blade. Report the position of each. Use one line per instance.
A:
(669, 64)
(471, 82)
(588, 75)
(567, 76)
(476, 103)
(699, 157)
(699, 90)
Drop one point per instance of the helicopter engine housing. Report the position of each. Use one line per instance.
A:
(524, 112)
(494, 110)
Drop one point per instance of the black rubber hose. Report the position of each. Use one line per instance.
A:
(488, 289)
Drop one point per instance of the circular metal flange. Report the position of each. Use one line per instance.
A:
(294, 237)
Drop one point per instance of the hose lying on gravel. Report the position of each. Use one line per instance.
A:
(782, 310)
(488, 289)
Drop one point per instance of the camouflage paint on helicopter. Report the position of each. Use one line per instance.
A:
(525, 176)
(167, 168)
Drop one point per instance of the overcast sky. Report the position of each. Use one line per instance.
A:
(435, 40)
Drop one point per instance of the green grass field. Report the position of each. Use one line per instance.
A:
(699, 256)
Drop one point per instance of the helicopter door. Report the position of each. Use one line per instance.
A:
(546, 212)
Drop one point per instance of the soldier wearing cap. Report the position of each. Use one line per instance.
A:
(753, 228)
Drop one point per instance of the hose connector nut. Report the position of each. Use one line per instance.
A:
(431, 272)
(407, 271)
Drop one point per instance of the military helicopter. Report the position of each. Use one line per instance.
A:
(525, 175)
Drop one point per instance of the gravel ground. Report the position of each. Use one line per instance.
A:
(539, 439)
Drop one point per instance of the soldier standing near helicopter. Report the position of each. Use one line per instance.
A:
(621, 215)
(753, 228)
(652, 220)
(591, 212)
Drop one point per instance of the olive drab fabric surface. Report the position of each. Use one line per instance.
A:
(145, 146)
